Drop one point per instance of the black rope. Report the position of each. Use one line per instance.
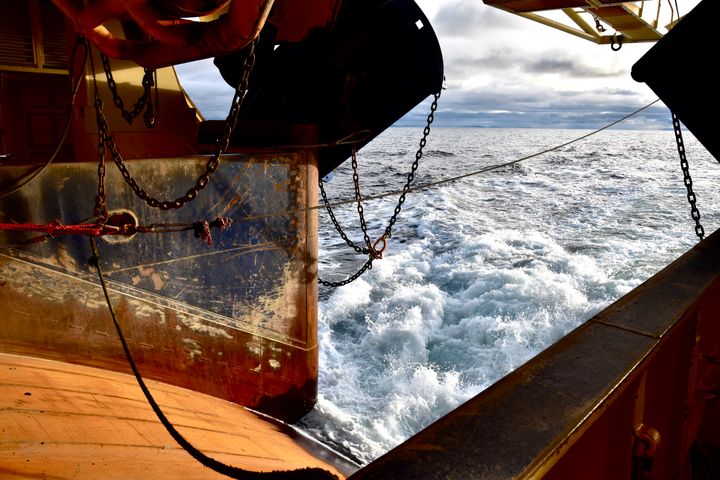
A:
(209, 462)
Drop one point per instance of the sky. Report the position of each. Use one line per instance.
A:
(505, 71)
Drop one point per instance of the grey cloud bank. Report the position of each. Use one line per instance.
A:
(502, 71)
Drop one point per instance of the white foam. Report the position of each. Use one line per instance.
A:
(482, 274)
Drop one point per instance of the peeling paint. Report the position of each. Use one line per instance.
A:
(192, 347)
(157, 281)
(238, 302)
(198, 325)
(150, 273)
(277, 310)
(255, 348)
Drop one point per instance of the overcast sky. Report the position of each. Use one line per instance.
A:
(506, 71)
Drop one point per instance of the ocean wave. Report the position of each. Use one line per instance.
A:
(483, 273)
(439, 153)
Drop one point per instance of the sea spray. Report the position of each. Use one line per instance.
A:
(483, 273)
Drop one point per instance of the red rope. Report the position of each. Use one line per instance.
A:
(55, 229)
(202, 229)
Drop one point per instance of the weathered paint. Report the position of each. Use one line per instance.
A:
(652, 359)
(236, 319)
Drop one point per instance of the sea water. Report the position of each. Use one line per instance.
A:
(483, 273)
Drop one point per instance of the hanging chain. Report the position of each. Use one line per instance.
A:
(375, 250)
(144, 102)
(100, 211)
(339, 229)
(694, 212)
(366, 266)
(358, 200)
(152, 112)
(106, 141)
(411, 174)
(361, 211)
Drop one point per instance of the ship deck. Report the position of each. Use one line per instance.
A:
(61, 421)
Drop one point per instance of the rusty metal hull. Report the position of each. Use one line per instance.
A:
(237, 320)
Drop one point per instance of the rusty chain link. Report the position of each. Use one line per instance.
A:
(358, 198)
(371, 251)
(339, 229)
(694, 212)
(152, 112)
(144, 102)
(100, 211)
(212, 164)
(361, 212)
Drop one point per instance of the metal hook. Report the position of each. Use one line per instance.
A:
(619, 45)
(598, 26)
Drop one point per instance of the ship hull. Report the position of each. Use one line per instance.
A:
(235, 319)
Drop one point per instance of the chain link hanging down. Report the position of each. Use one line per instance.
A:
(361, 211)
(694, 212)
(375, 250)
(144, 102)
(105, 140)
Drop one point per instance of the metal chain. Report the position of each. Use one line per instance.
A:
(411, 175)
(152, 112)
(372, 251)
(149, 80)
(212, 164)
(361, 211)
(339, 229)
(366, 266)
(100, 211)
(358, 199)
(694, 212)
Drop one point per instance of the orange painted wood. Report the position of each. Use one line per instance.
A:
(63, 421)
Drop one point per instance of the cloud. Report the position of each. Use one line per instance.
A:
(501, 70)
(551, 63)
(203, 83)
(570, 67)
(464, 19)
(526, 108)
